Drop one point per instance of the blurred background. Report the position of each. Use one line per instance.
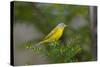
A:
(34, 20)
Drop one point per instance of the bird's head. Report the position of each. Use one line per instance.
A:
(62, 25)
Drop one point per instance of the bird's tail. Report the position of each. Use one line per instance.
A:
(38, 45)
(41, 42)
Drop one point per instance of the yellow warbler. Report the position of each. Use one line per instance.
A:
(55, 34)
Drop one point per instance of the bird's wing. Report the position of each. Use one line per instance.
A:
(52, 32)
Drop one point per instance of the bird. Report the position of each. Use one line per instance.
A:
(55, 34)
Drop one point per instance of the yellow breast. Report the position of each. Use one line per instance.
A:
(56, 35)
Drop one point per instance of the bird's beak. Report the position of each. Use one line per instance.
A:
(65, 25)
